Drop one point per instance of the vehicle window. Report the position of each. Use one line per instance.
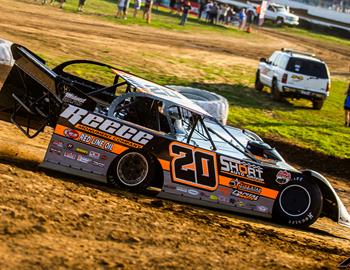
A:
(281, 9)
(282, 61)
(143, 111)
(273, 57)
(307, 67)
(271, 8)
(275, 62)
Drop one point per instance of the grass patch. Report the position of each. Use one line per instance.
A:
(291, 121)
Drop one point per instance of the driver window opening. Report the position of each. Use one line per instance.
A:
(143, 111)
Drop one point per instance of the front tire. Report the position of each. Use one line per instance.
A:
(258, 85)
(299, 204)
(279, 21)
(132, 170)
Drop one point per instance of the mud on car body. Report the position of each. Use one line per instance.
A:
(136, 134)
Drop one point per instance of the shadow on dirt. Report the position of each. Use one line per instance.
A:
(148, 198)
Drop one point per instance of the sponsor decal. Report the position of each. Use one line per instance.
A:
(57, 144)
(103, 157)
(71, 98)
(83, 159)
(223, 199)
(81, 151)
(283, 177)
(55, 151)
(70, 133)
(214, 197)
(192, 192)
(104, 127)
(181, 189)
(241, 169)
(261, 208)
(70, 146)
(245, 186)
(94, 141)
(297, 77)
(244, 195)
(298, 178)
(94, 155)
(98, 164)
(301, 221)
(345, 264)
(70, 155)
(225, 191)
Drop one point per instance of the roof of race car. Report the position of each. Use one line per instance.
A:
(160, 91)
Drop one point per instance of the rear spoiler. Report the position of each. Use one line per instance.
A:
(32, 94)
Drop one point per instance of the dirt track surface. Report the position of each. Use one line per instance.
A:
(55, 221)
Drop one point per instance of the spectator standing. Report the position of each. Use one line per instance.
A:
(347, 107)
(147, 11)
(81, 5)
(213, 13)
(250, 19)
(120, 10)
(137, 7)
(207, 9)
(258, 10)
(186, 7)
(242, 19)
(125, 9)
(229, 15)
(201, 10)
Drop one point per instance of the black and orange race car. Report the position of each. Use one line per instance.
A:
(136, 134)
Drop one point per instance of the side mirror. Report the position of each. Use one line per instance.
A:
(263, 59)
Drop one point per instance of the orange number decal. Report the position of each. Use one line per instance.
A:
(193, 166)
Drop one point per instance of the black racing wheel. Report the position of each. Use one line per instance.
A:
(132, 170)
(299, 204)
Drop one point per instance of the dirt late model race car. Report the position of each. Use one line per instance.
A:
(136, 134)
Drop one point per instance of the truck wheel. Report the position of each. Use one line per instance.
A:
(298, 204)
(317, 104)
(279, 21)
(132, 170)
(276, 95)
(258, 85)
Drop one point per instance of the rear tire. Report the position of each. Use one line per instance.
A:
(276, 95)
(258, 85)
(299, 204)
(132, 170)
(317, 104)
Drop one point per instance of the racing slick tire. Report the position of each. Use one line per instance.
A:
(132, 170)
(276, 95)
(216, 105)
(299, 204)
(317, 104)
(258, 85)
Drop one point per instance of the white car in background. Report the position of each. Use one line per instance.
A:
(294, 74)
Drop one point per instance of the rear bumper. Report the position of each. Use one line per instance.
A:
(301, 93)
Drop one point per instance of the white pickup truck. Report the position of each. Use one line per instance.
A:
(294, 74)
(281, 15)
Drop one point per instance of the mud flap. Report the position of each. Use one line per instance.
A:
(28, 95)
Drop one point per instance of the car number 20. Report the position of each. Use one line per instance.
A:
(193, 166)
